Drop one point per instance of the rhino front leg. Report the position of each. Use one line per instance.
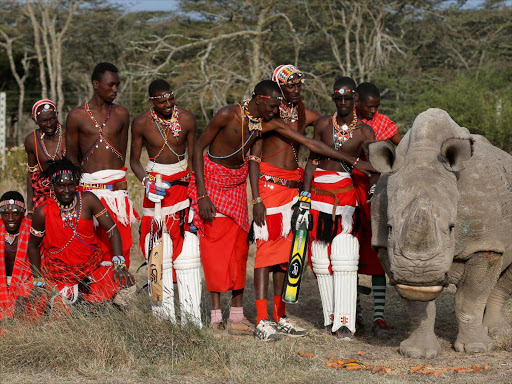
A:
(480, 276)
(422, 342)
(495, 320)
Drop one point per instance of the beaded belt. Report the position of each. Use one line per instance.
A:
(119, 186)
(280, 181)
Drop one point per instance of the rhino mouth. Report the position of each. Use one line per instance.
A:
(419, 293)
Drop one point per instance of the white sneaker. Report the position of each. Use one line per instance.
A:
(267, 330)
(289, 328)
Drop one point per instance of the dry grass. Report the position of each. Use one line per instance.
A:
(133, 347)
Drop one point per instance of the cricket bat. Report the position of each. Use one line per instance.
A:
(296, 266)
(155, 252)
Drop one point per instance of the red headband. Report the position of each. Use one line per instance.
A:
(47, 103)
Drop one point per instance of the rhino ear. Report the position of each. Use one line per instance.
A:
(383, 157)
(456, 151)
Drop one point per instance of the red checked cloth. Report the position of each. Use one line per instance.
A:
(21, 273)
(227, 189)
(383, 126)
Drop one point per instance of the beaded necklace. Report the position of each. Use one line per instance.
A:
(10, 238)
(254, 122)
(10, 249)
(70, 219)
(342, 134)
(100, 137)
(43, 145)
(69, 213)
(172, 124)
(289, 112)
(165, 134)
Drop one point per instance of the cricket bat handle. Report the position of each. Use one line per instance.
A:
(158, 206)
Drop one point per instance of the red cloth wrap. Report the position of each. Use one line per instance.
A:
(174, 195)
(277, 249)
(21, 278)
(383, 126)
(224, 253)
(227, 189)
(40, 189)
(80, 259)
(369, 263)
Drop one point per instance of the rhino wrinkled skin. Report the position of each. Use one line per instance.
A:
(442, 213)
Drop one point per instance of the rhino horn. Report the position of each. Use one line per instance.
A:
(419, 234)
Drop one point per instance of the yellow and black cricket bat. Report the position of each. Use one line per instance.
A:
(296, 266)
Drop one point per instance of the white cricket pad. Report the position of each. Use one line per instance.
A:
(188, 273)
(166, 309)
(320, 261)
(345, 260)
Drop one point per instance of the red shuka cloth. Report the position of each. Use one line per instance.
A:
(276, 250)
(21, 278)
(227, 189)
(80, 259)
(224, 253)
(383, 126)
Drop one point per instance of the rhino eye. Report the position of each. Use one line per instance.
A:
(390, 229)
(451, 226)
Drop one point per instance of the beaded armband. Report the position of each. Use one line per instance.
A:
(355, 162)
(254, 158)
(33, 169)
(104, 210)
(119, 262)
(36, 233)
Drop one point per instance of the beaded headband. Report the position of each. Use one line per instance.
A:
(48, 106)
(64, 174)
(342, 91)
(278, 98)
(6, 204)
(284, 73)
(164, 96)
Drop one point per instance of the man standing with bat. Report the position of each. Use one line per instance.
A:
(334, 248)
(168, 133)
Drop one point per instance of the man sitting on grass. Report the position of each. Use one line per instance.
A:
(62, 234)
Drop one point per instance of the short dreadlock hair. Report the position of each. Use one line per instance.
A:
(62, 165)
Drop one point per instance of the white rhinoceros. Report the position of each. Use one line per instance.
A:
(442, 213)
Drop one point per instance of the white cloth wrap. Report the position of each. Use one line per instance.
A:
(116, 200)
(167, 170)
(188, 275)
(345, 260)
(261, 232)
(321, 262)
(346, 211)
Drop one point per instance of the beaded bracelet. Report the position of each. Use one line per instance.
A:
(38, 282)
(257, 200)
(36, 233)
(254, 158)
(202, 196)
(119, 262)
(109, 231)
(315, 162)
(355, 163)
(144, 180)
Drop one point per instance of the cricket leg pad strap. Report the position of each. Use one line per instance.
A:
(345, 260)
(166, 309)
(188, 274)
(321, 262)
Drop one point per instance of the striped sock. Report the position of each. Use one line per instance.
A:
(359, 309)
(379, 296)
